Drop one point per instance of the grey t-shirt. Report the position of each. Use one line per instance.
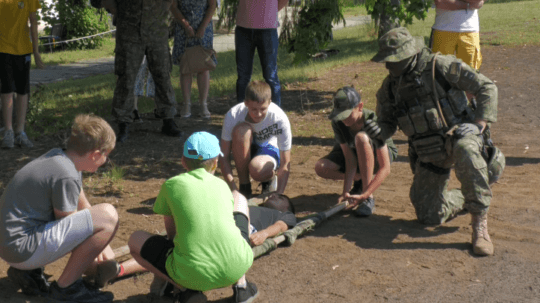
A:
(27, 205)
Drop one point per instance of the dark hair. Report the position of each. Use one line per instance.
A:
(276, 202)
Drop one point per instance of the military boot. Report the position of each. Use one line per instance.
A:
(170, 129)
(123, 130)
(481, 241)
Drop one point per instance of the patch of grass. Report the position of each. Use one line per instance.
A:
(115, 174)
(59, 56)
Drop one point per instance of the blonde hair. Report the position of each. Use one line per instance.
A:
(258, 91)
(90, 133)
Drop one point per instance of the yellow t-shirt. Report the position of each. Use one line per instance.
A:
(14, 30)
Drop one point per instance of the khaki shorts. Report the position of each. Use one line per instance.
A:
(465, 46)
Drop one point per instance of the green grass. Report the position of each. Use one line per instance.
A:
(55, 105)
(59, 56)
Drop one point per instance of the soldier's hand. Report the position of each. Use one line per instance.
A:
(467, 129)
(373, 130)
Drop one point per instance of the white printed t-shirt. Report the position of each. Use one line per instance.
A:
(275, 129)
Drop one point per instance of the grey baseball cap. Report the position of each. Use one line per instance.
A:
(345, 99)
(398, 45)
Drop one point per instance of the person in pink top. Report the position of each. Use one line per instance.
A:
(256, 29)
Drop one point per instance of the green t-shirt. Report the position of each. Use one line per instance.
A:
(209, 251)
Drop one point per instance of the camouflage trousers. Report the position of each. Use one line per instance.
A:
(128, 59)
(433, 202)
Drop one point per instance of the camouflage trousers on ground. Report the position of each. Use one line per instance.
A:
(128, 58)
(433, 202)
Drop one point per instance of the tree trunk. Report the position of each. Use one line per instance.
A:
(386, 24)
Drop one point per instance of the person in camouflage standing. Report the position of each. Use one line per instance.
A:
(425, 96)
(142, 29)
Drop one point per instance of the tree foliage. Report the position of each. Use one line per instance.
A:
(399, 12)
(308, 28)
(78, 19)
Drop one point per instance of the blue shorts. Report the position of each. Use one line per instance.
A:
(265, 149)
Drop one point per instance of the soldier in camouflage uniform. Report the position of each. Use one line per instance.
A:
(142, 29)
(425, 96)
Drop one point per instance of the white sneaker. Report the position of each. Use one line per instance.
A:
(269, 186)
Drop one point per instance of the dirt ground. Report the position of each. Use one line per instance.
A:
(388, 257)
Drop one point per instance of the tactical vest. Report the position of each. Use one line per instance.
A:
(418, 114)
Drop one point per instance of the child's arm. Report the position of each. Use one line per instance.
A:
(225, 164)
(350, 170)
(284, 170)
(259, 237)
(170, 226)
(384, 170)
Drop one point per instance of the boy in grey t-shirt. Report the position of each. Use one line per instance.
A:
(44, 215)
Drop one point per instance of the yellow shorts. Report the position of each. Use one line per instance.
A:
(465, 46)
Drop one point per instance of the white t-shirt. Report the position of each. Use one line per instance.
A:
(275, 129)
(458, 21)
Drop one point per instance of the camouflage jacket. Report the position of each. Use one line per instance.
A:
(451, 73)
(143, 20)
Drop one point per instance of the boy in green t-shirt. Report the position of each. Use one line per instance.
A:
(355, 157)
(207, 243)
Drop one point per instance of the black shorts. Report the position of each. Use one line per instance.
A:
(336, 156)
(15, 73)
(156, 250)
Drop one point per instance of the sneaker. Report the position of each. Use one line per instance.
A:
(269, 186)
(31, 282)
(79, 292)
(245, 295)
(9, 139)
(366, 208)
(190, 296)
(106, 271)
(22, 140)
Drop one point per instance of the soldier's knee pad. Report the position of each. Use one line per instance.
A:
(496, 163)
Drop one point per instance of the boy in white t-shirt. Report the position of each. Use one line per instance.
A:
(258, 133)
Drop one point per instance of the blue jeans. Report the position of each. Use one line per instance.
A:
(265, 41)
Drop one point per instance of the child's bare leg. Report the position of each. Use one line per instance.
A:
(135, 243)
(130, 267)
(241, 150)
(20, 112)
(105, 221)
(366, 158)
(327, 169)
(241, 206)
(7, 110)
(261, 168)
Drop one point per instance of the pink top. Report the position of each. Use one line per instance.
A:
(257, 14)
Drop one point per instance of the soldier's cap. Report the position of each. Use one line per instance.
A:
(202, 146)
(345, 100)
(397, 45)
